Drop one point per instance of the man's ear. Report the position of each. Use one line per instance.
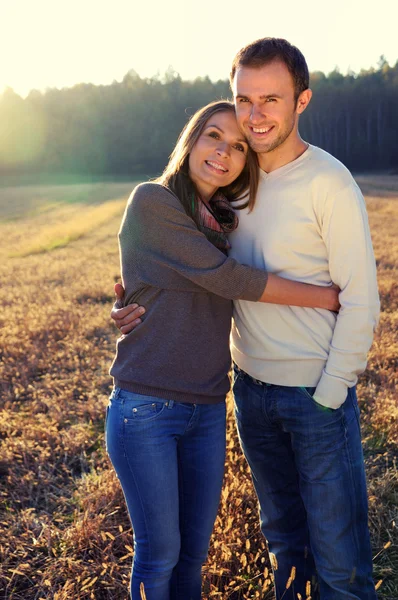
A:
(303, 101)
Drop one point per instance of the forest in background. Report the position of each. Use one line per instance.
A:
(130, 127)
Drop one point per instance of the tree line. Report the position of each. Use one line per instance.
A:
(130, 127)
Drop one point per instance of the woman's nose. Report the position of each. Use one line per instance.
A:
(223, 149)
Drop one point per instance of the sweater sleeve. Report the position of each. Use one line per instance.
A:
(162, 243)
(345, 231)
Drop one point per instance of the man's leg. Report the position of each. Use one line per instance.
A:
(328, 453)
(267, 448)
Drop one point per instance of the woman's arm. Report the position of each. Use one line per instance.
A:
(294, 293)
(163, 245)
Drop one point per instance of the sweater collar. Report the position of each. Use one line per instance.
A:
(288, 167)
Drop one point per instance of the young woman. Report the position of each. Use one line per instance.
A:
(165, 425)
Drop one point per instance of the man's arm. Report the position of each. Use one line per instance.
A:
(127, 318)
(278, 291)
(345, 231)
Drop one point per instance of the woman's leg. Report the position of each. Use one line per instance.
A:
(141, 434)
(201, 458)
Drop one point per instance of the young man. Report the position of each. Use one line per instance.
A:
(296, 368)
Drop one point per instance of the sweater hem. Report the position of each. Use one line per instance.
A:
(187, 397)
(289, 372)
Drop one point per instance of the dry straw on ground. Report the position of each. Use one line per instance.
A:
(64, 530)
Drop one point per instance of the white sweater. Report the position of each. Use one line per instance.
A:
(309, 224)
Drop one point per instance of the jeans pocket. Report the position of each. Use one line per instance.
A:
(142, 408)
(308, 392)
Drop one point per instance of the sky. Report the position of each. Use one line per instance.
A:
(58, 43)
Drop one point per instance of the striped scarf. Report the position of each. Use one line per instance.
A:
(216, 221)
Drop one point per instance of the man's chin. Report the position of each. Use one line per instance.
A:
(261, 147)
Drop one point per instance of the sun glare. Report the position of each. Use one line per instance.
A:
(58, 44)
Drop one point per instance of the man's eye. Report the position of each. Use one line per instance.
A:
(271, 99)
(241, 100)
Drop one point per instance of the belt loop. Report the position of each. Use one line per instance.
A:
(170, 404)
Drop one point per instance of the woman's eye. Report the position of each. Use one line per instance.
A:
(214, 134)
(239, 147)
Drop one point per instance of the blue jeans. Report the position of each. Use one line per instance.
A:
(169, 457)
(308, 472)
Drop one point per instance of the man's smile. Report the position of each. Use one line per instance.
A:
(261, 131)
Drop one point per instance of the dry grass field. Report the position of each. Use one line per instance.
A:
(64, 532)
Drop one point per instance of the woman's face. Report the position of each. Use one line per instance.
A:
(219, 155)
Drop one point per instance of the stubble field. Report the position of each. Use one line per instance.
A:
(64, 531)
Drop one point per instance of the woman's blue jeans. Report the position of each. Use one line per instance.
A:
(169, 457)
(308, 471)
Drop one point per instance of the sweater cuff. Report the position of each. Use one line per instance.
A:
(331, 391)
(255, 286)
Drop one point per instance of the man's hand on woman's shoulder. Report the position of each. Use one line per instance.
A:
(126, 318)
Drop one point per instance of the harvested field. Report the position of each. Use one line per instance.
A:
(64, 530)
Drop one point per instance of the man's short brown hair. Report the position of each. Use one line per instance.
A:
(266, 50)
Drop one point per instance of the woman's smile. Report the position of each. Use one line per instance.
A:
(216, 166)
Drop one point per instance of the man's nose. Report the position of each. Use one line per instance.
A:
(256, 114)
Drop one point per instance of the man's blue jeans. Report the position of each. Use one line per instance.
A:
(169, 457)
(308, 472)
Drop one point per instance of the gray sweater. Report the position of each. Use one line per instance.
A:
(181, 350)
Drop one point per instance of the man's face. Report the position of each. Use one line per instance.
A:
(265, 105)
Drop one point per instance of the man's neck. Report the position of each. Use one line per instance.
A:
(282, 155)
